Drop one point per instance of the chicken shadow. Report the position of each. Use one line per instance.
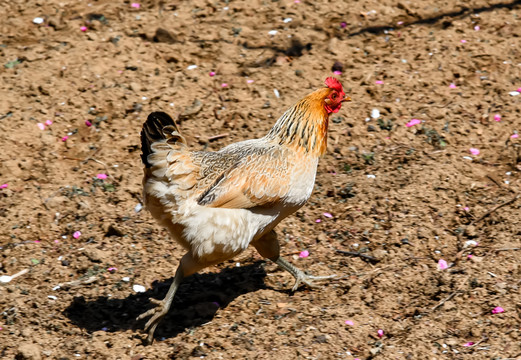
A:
(195, 303)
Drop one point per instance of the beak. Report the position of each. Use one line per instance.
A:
(346, 98)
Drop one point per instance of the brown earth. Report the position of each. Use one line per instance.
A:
(403, 197)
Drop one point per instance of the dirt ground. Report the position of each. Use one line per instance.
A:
(390, 200)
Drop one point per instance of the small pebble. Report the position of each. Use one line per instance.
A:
(38, 20)
(139, 288)
(126, 279)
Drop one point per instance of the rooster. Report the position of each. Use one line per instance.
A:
(216, 204)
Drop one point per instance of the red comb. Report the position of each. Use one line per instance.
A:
(333, 83)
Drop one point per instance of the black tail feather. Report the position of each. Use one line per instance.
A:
(153, 131)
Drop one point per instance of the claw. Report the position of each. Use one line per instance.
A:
(157, 313)
(308, 280)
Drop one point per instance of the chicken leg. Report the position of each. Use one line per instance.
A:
(268, 246)
(187, 266)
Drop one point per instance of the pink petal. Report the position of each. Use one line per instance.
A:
(65, 138)
(56, 241)
(399, 23)
(76, 234)
(4, 186)
(328, 215)
(476, 27)
(519, 90)
(474, 151)
(102, 176)
(466, 208)
(135, 5)
(211, 73)
(470, 343)
(469, 256)
(442, 264)
(249, 81)
(83, 28)
(37, 241)
(343, 25)
(112, 269)
(379, 82)
(463, 41)
(41, 126)
(452, 86)
(48, 122)
(303, 254)
(318, 221)
(498, 310)
(514, 136)
(336, 72)
(349, 322)
(88, 123)
(497, 117)
(413, 122)
(224, 85)
(380, 333)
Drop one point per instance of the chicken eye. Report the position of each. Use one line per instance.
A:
(334, 96)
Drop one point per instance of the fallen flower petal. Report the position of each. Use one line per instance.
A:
(380, 333)
(470, 343)
(343, 25)
(303, 254)
(497, 117)
(112, 269)
(349, 322)
(65, 138)
(211, 73)
(41, 126)
(474, 151)
(48, 122)
(135, 5)
(498, 310)
(336, 72)
(4, 186)
(83, 28)
(442, 264)
(224, 85)
(379, 82)
(514, 136)
(413, 122)
(76, 234)
(328, 215)
(463, 41)
(102, 176)
(318, 221)
(88, 123)
(452, 86)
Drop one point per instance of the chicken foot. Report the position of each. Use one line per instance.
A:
(268, 246)
(299, 275)
(162, 306)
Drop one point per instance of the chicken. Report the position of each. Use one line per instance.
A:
(216, 204)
